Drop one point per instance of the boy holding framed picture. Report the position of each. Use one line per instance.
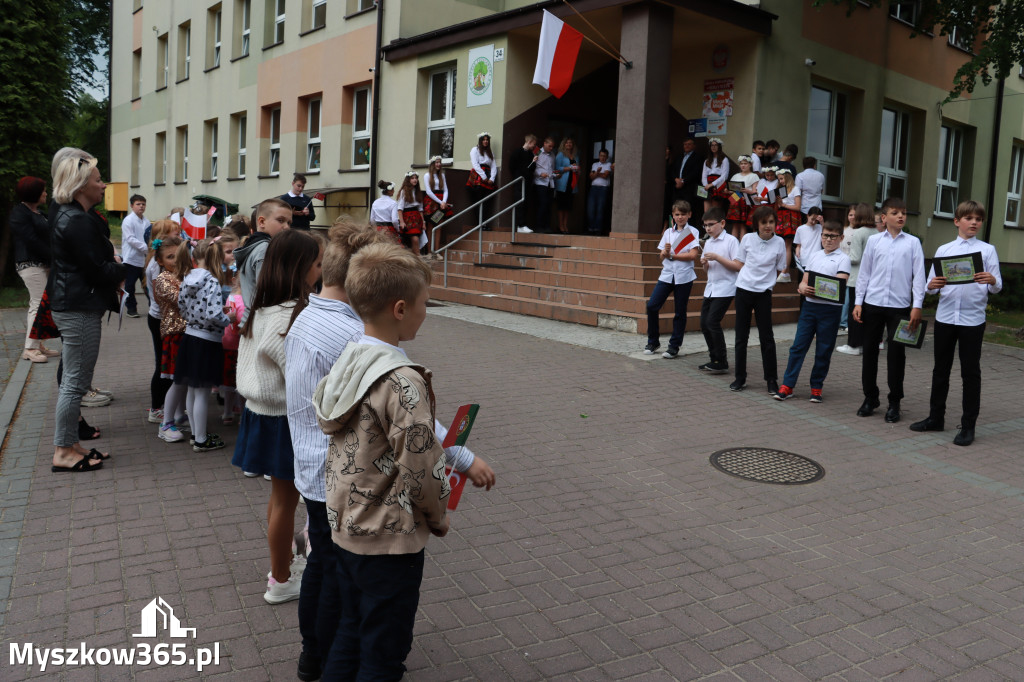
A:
(960, 318)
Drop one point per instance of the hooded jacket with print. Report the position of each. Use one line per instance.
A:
(201, 306)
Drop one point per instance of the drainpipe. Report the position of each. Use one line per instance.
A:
(994, 156)
(375, 124)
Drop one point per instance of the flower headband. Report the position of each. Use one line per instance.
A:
(742, 157)
(480, 136)
(716, 140)
(780, 171)
(411, 174)
(771, 169)
(432, 159)
(390, 187)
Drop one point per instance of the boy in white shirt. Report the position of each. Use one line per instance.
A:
(819, 318)
(808, 238)
(763, 254)
(597, 199)
(720, 264)
(134, 250)
(960, 318)
(890, 288)
(678, 249)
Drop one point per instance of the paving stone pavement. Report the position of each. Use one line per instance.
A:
(610, 548)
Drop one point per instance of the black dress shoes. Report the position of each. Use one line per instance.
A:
(965, 437)
(892, 415)
(773, 386)
(928, 424)
(868, 408)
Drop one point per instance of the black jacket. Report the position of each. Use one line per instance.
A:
(31, 235)
(84, 275)
(521, 162)
(300, 222)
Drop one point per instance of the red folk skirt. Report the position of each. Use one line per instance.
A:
(390, 230)
(413, 221)
(750, 215)
(739, 212)
(474, 179)
(430, 207)
(786, 222)
(722, 191)
(169, 355)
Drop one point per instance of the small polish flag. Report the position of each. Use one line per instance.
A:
(319, 197)
(194, 225)
(209, 214)
(684, 242)
(556, 54)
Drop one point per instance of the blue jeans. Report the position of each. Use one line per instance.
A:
(380, 594)
(820, 321)
(845, 317)
(681, 292)
(319, 600)
(596, 202)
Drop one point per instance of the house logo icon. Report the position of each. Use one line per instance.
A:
(159, 612)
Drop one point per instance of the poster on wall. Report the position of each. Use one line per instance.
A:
(718, 95)
(717, 126)
(481, 75)
(698, 127)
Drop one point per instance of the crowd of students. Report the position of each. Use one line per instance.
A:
(880, 271)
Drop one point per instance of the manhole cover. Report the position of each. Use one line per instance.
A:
(767, 466)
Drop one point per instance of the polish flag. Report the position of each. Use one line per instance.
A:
(556, 54)
(684, 242)
(194, 225)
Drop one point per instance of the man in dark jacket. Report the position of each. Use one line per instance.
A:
(687, 180)
(522, 161)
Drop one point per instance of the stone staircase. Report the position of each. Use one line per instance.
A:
(596, 281)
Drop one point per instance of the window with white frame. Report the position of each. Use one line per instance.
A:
(441, 114)
(243, 9)
(216, 17)
(163, 56)
(241, 121)
(826, 136)
(893, 148)
(275, 14)
(951, 147)
(313, 135)
(906, 11)
(1016, 186)
(137, 74)
(274, 162)
(366, 4)
(212, 140)
(160, 171)
(184, 50)
(361, 128)
(182, 174)
(319, 13)
(136, 161)
(958, 39)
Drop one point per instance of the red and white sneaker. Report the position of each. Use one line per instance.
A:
(784, 393)
(816, 395)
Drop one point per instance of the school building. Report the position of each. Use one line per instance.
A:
(230, 98)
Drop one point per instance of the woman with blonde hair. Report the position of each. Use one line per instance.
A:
(567, 181)
(85, 279)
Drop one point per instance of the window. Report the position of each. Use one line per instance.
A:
(319, 14)
(361, 128)
(441, 114)
(243, 10)
(313, 135)
(275, 22)
(136, 161)
(211, 149)
(906, 11)
(160, 172)
(826, 137)
(1013, 193)
(162, 62)
(355, 6)
(184, 50)
(182, 162)
(238, 126)
(958, 39)
(951, 144)
(213, 32)
(137, 74)
(274, 159)
(892, 155)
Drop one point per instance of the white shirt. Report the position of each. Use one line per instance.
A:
(721, 280)
(382, 210)
(811, 183)
(762, 262)
(964, 304)
(892, 272)
(847, 240)
(716, 168)
(545, 164)
(790, 199)
(415, 204)
(830, 264)
(808, 238)
(599, 167)
(133, 241)
(433, 192)
(678, 271)
(755, 163)
(152, 270)
(477, 160)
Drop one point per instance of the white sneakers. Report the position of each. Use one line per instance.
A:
(524, 229)
(783, 278)
(95, 399)
(849, 350)
(279, 593)
(170, 434)
(155, 416)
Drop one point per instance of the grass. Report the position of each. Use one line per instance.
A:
(13, 297)
(1012, 318)
(1002, 328)
(1003, 337)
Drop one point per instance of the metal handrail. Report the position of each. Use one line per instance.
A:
(479, 226)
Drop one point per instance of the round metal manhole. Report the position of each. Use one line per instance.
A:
(767, 466)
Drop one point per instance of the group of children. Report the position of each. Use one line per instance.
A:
(408, 218)
(343, 419)
(887, 300)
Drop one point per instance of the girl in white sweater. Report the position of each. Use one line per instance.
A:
(290, 271)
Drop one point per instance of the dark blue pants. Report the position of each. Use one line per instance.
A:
(681, 294)
(132, 274)
(379, 595)
(947, 337)
(819, 321)
(597, 199)
(542, 201)
(319, 600)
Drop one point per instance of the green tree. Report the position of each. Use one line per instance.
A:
(999, 23)
(89, 129)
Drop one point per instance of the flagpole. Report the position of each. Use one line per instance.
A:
(617, 56)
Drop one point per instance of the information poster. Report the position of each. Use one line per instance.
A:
(479, 89)
(718, 96)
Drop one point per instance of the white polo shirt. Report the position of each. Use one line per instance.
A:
(964, 304)
(811, 183)
(808, 237)
(721, 280)
(892, 271)
(830, 264)
(678, 271)
(762, 262)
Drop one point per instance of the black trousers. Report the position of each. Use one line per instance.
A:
(880, 323)
(712, 311)
(157, 386)
(760, 304)
(542, 201)
(947, 336)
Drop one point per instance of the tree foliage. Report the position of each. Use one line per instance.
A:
(1000, 25)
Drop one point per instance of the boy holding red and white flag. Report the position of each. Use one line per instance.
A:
(678, 248)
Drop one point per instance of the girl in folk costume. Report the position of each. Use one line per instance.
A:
(769, 183)
(715, 173)
(485, 170)
(788, 216)
(567, 181)
(436, 190)
(410, 211)
(382, 212)
(739, 212)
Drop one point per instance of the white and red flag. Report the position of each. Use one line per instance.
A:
(556, 54)
(194, 225)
